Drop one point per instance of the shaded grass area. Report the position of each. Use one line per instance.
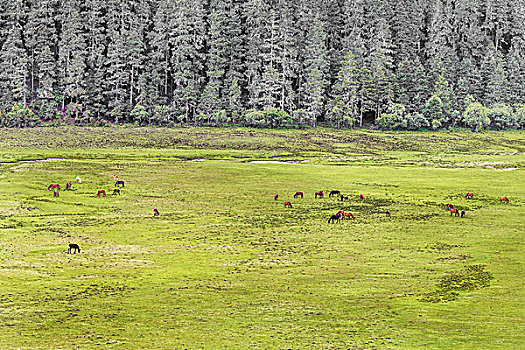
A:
(343, 147)
(225, 266)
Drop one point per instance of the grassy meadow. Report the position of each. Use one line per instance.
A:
(225, 266)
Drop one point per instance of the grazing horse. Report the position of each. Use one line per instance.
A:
(156, 212)
(463, 213)
(116, 191)
(343, 198)
(57, 186)
(74, 247)
(55, 193)
(287, 204)
(334, 193)
(78, 180)
(450, 206)
(504, 199)
(319, 194)
(469, 195)
(388, 213)
(68, 186)
(275, 196)
(361, 197)
(101, 192)
(454, 211)
(298, 194)
(115, 177)
(348, 216)
(334, 218)
(118, 183)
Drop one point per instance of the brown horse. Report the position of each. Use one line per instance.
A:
(348, 216)
(55, 193)
(361, 197)
(57, 186)
(469, 195)
(319, 194)
(68, 186)
(298, 194)
(101, 192)
(454, 211)
(287, 204)
(504, 199)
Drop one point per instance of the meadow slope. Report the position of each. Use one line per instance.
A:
(226, 267)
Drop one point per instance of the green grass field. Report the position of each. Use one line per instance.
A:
(226, 267)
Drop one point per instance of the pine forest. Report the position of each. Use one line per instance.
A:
(392, 64)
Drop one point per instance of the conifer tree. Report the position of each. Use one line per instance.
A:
(14, 72)
(316, 70)
(72, 54)
(187, 40)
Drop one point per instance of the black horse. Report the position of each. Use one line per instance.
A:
(334, 218)
(156, 212)
(118, 183)
(334, 193)
(116, 191)
(343, 198)
(74, 247)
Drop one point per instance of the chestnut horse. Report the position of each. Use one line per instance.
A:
(469, 195)
(298, 194)
(361, 197)
(319, 194)
(55, 193)
(454, 211)
(348, 216)
(287, 204)
(504, 199)
(57, 186)
(101, 192)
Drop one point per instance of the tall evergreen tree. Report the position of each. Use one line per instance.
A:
(316, 69)
(187, 40)
(14, 70)
(72, 54)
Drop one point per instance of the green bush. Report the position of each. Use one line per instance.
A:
(417, 121)
(20, 116)
(271, 118)
(503, 117)
(476, 116)
(395, 118)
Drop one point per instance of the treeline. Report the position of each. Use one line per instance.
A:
(398, 64)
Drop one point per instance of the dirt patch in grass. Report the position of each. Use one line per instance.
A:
(440, 247)
(470, 278)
